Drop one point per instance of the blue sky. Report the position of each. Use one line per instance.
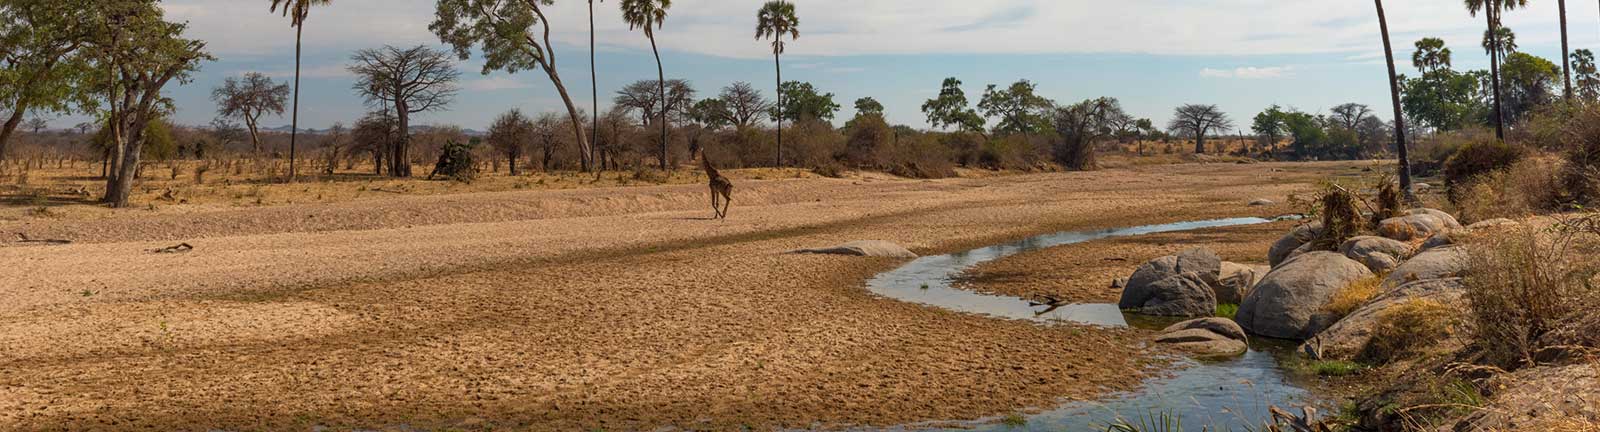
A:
(1152, 54)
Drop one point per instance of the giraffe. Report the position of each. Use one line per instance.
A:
(720, 188)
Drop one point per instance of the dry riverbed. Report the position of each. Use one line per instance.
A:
(615, 309)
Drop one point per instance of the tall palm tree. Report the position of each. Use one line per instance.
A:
(1394, 94)
(1566, 53)
(1491, 13)
(296, 10)
(776, 19)
(594, 83)
(649, 15)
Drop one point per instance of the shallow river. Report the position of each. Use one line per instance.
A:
(1227, 394)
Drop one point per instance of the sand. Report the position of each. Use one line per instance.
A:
(614, 309)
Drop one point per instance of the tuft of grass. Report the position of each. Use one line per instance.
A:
(1014, 420)
(1409, 329)
(1353, 296)
(1335, 368)
(1153, 421)
(1527, 289)
(1227, 310)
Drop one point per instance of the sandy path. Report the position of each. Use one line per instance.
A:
(618, 309)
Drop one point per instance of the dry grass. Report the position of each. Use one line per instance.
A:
(1529, 187)
(1527, 284)
(1353, 296)
(1409, 329)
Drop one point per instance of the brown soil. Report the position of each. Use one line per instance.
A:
(615, 309)
(1082, 273)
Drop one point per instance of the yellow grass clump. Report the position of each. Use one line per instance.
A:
(1353, 296)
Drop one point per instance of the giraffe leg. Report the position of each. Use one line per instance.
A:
(727, 201)
(714, 204)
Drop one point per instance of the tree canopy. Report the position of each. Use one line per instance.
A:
(950, 109)
(1019, 108)
(802, 101)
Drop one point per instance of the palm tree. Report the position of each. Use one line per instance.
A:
(1491, 13)
(296, 10)
(1566, 53)
(776, 19)
(594, 82)
(649, 15)
(1394, 93)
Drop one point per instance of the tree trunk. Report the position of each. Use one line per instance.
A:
(1494, 68)
(11, 127)
(255, 136)
(294, 117)
(661, 84)
(778, 65)
(120, 185)
(572, 112)
(1394, 96)
(594, 87)
(1566, 54)
(1199, 141)
(399, 158)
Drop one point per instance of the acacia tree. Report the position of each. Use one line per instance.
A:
(546, 133)
(1018, 107)
(950, 109)
(141, 53)
(1269, 126)
(37, 124)
(248, 99)
(650, 15)
(407, 81)
(1394, 95)
(510, 134)
(514, 35)
(1199, 120)
(297, 11)
(42, 65)
(775, 19)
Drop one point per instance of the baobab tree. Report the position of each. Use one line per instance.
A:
(142, 53)
(774, 20)
(1199, 120)
(650, 15)
(407, 81)
(297, 11)
(514, 35)
(248, 99)
(1394, 97)
(744, 104)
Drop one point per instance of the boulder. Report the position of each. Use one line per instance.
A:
(1492, 224)
(1210, 337)
(1296, 238)
(1288, 303)
(1448, 219)
(1237, 280)
(1439, 240)
(1175, 285)
(864, 248)
(1181, 295)
(1377, 253)
(1262, 202)
(1413, 227)
(1438, 263)
(1346, 339)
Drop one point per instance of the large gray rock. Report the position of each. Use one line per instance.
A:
(1347, 339)
(865, 248)
(1377, 253)
(1209, 337)
(1418, 224)
(1439, 263)
(1175, 285)
(1182, 295)
(1237, 280)
(1288, 303)
(1295, 239)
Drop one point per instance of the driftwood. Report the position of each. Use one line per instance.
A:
(1306, 423)
(180, 248)
(23, 238)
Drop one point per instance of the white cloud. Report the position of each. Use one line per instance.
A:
(855, 27)
(1249, 72)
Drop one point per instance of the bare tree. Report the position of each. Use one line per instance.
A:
(510, 134)
(406, 81)
(248, 99)
(745, 104)
(375, 134)
(546, 134)
(1350, 115)
(1198, 120)
(332, 144)
(642, 98)
(1080, 126)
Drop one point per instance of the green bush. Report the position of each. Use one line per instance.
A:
(1479, 158)
(456, 163)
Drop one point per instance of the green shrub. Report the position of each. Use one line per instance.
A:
(1227, 310)
(456, 163)
(1476, 159)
